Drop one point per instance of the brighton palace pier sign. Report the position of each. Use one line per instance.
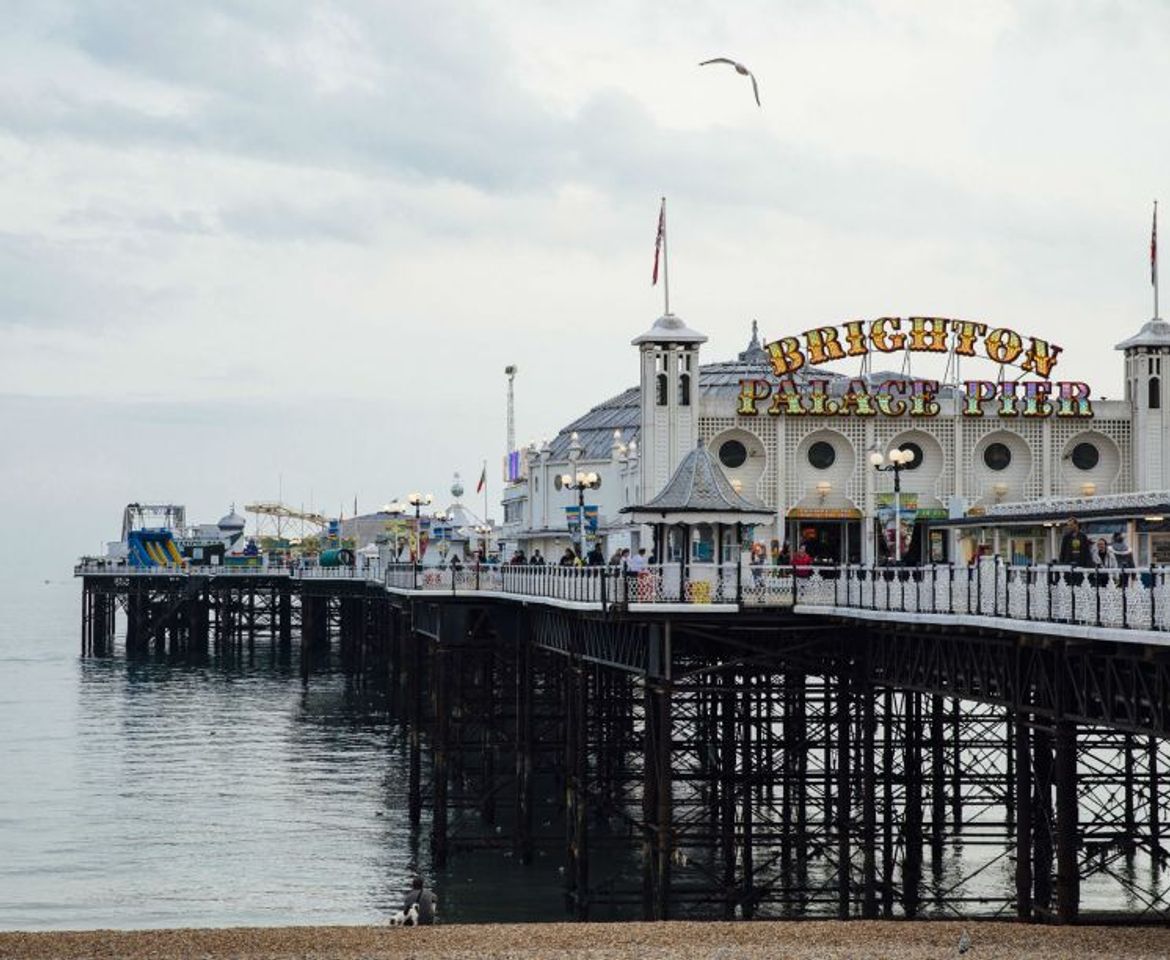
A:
(1039, 396)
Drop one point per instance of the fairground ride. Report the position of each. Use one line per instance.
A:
(282, 522)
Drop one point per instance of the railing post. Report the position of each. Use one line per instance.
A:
(1124, 587)
(1153, 595)
(739, 582)
(1097, 578)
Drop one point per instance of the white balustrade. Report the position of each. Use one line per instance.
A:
(1133, 599)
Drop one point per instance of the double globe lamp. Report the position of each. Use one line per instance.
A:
(580, 482)
(418, 501)
(894, 462)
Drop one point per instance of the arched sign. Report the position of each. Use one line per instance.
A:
(1037, 397)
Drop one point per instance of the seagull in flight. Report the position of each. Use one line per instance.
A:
(741, 70)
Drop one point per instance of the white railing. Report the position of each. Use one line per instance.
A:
(694, 583)
(1133, 599)
(113, 568)
(1125, 599)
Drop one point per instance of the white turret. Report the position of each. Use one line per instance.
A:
(1148, 395)
(670, 397)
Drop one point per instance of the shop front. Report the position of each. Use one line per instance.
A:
(827, 536)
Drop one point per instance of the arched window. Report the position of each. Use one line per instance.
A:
(1154, 398)
(684, 390)
(661, 390)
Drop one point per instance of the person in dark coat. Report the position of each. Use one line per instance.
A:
(426, 900)
(1074, 546)
(595, 557)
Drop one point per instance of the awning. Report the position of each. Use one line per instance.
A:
(824, 513)
(1045, 513)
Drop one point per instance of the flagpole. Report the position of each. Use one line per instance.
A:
(1154, 258)
(665, 269)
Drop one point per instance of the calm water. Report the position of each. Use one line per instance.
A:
(136, 795)
(153, 796)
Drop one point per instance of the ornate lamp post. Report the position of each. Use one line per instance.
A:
(396, 509)
(898, 460)
(418, 501)
(581, 482)
(483, 531)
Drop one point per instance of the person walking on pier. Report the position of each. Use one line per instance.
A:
(1122, 557)
(1074, 545)
(426, 900)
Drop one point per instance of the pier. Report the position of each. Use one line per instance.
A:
(765, 742)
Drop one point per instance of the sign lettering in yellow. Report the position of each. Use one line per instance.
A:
(916, 398)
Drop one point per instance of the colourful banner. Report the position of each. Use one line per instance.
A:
(907, 512)
(573, 518)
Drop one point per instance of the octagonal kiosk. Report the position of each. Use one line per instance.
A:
(698, 521)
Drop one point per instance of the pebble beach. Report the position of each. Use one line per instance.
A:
(597, 941)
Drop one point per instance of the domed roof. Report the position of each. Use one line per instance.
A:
(1156, 333)
(669, 329)
(699, 486)
(233, 521)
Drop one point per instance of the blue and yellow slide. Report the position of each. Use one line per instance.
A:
(153, 548)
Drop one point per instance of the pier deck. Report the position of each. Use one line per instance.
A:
(764, 743)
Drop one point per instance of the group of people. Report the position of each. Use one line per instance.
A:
(1078, 550)
(622, 559)
(760, 556)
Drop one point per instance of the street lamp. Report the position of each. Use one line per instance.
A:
(483, 531)
(418, 501)
(898, 461)
(581, 482)
(396, 509)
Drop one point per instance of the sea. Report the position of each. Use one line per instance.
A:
(137, 795)
(148, 795)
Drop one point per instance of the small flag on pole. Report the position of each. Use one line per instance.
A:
(1154, 248)
(658, 241)
(482, 479)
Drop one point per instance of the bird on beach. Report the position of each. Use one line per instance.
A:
(741, 70)
(964, 942)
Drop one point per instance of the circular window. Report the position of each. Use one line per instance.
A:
(822, 455)
(732, 454)
(915, 461)
(997, 456)
(1085, 456)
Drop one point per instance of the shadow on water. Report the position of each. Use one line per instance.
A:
(228, 794)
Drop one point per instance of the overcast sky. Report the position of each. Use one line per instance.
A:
(254, 244)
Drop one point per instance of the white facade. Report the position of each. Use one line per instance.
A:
(813, 471)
